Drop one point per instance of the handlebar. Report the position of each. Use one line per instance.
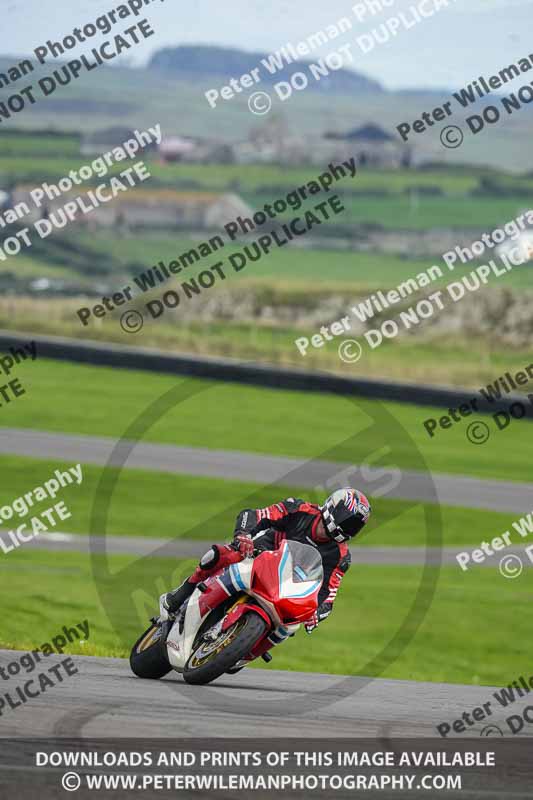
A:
(257, 550)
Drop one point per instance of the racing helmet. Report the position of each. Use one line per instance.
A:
(345, 512)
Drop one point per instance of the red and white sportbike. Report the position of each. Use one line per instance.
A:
(229, 617)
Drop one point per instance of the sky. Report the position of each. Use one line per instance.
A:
(467, 39)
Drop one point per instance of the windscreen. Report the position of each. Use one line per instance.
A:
(306, 562)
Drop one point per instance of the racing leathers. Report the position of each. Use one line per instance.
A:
(268, 527)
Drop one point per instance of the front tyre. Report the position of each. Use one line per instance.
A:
(211, 659)
(148, 657)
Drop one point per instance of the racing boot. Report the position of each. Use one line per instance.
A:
(171, 602)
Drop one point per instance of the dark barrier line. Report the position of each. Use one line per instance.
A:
(222, 369)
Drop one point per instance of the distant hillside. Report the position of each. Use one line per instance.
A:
(134, 97)
(199, 61)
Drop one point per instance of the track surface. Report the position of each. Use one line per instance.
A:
(451, 490)
(104, 699)
(191, 548)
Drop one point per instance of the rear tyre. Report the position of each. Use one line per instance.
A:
(210, 661)
(148, 657)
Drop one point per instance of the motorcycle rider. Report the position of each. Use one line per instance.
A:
(328, 528)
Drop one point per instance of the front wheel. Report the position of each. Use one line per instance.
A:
(211, 659)
(148, 657)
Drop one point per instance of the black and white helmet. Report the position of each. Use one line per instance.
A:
(345, 512)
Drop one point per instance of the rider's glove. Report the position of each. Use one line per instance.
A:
(322, 612)
(244, 544)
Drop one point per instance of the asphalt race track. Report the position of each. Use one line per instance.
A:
(105, 699)
(451, 490)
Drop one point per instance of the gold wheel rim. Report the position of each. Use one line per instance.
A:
(218, 646)
(148, 640)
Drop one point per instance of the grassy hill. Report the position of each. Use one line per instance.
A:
(109, 96)
(222, 63)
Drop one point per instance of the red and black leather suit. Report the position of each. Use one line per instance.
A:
(290, 519)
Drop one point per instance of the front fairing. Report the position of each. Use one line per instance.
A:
(289, 578)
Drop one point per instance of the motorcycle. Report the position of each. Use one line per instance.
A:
(223, 624)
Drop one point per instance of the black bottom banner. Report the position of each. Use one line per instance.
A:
(257, 768)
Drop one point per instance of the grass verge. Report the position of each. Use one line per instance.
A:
(161, 505)
(450, 360)
(73, 398)
(465, 637)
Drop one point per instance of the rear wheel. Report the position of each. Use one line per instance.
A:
(210, 659)
(148, 658)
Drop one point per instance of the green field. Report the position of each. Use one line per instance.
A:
(53, 157)
(104, 401)
(374, 602)
(360, 637)
(184, 506)
(28, 267)
(292, 266)
(296, 268)
(405, 198)
(418, 212)
(19, 144)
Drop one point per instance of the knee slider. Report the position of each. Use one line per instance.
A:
(211, 558)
